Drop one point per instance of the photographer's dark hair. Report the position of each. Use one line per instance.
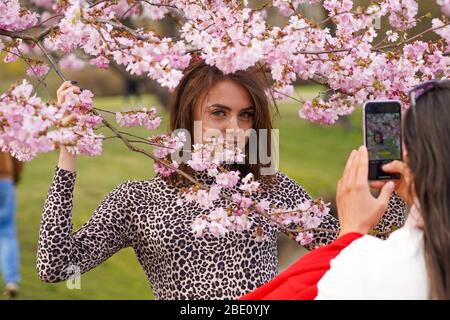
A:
(426, 133)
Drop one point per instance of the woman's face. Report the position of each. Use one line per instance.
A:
(377, 138)
(228, 109)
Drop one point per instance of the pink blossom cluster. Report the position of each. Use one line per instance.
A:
(207, 157)
(71, 62)
(237, 217)
(443, 31)
(164, 170)
(15, 49)
(38, 69)
(210, 157)
(98, 32)
(231, 39)
(28, 126)
(403, 13)
(445, 6)
(214, 151)
(322, 112)
(307, 216)
(349, 65)
(43, 3)
(288, 7)
(143, 117)
(233, 36)
(13, 17)
(23, 117)
(167, 144)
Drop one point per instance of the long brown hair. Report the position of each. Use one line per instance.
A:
(427, 140)
(198, 79)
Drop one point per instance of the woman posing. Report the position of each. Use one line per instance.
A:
(145, 214)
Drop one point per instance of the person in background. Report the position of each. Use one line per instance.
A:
(10, 171)
(130, 90)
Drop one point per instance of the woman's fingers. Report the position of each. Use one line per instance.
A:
(63, 90)
(394, 167)
(346, 175)
(377, 184)
(362, 168)
(62, 94)
(385, 196)
(65, 85)
(67, 120)
(380, 184)
(353, 170)
(71, 89)
(403, 185)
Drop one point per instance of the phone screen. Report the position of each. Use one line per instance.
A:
(382, 136)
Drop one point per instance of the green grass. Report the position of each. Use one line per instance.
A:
(313, 155)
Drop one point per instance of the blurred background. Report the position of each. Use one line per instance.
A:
(311, 154)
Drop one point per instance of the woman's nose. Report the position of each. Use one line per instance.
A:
(234, 133)
(233, 124)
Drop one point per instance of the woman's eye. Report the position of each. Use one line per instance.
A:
(218, 113)
(247, 115)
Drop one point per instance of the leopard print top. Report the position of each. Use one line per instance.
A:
(145, 216)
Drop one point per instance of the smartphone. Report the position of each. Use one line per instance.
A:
(382, 121)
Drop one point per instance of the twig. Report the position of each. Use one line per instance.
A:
(395, 45)
(50, 59)
(102, 110)
(41, 23)
(110, 137)
(133, 135)
(288, 96)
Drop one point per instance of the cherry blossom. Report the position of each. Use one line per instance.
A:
(445, 6)
(38, 70)
(30, 126)
(144, 117)
(14, 17)
(71, 62)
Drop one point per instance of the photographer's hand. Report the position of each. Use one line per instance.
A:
(358, 210)
(402, 185)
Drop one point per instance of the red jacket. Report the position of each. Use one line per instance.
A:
(299, 281)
